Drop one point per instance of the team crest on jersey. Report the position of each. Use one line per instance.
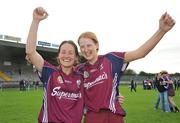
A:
(60, 80)
(86, 74)
(93, 70)
(78, 83)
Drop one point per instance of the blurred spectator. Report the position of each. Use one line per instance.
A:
(157, 87)
(28, 84)
(171, 94)
(175, 84)
(22, 85)
(133, 85)
(162, 86)
(178, 84)
(1, 85)
(147, 84)
(36, 85)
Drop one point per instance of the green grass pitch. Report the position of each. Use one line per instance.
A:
(23, 107)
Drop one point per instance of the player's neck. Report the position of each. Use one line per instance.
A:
(67, 70)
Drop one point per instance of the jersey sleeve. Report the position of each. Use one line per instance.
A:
(80, 68)
(47, 70)
(118, 66)
(117, 59)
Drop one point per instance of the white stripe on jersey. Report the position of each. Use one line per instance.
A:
(45, 114)
(113, 95)
(124, 66)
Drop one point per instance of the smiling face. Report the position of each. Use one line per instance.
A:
(89, 46)
(88, 49)
(67, 55)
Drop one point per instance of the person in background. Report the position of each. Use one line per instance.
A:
(1, 85)
(159, 88)
(175, 84)
(171, 92)
(102, 73)
(36, 85)
(145, 84)
(133, 85)
(22, 85)
(162, 86)
(63, 99)
(178, 84)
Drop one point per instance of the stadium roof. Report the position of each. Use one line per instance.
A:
(15, 51)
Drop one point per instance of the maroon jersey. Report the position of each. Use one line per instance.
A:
(101, 82)
(63, 96)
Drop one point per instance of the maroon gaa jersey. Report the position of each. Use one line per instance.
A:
(63, 96)
(101, 82)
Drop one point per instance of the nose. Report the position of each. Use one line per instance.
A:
(66, 55)
(85, 49)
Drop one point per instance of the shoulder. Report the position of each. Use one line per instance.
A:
(49, 65)
(119, 55)
(48, 69)
(80, 68)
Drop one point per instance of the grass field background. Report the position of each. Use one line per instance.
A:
(23, 107)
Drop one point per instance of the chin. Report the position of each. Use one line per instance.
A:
(67, 66)
(88, 58)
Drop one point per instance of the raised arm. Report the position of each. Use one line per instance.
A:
(31, 53)
(165, 24)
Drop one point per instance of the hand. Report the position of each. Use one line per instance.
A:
(39, 14)
(166, 22)
(121, 99)
(28, 59)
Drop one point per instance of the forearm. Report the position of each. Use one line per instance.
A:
(145, 48)
(32, 38)
(166, 23)
(32, 55)
(151, 43)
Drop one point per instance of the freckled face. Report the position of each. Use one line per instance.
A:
(88, 49)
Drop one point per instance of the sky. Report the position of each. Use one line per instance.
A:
(120, 25)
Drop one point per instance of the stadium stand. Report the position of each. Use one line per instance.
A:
(13, 66)
(5, 76)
